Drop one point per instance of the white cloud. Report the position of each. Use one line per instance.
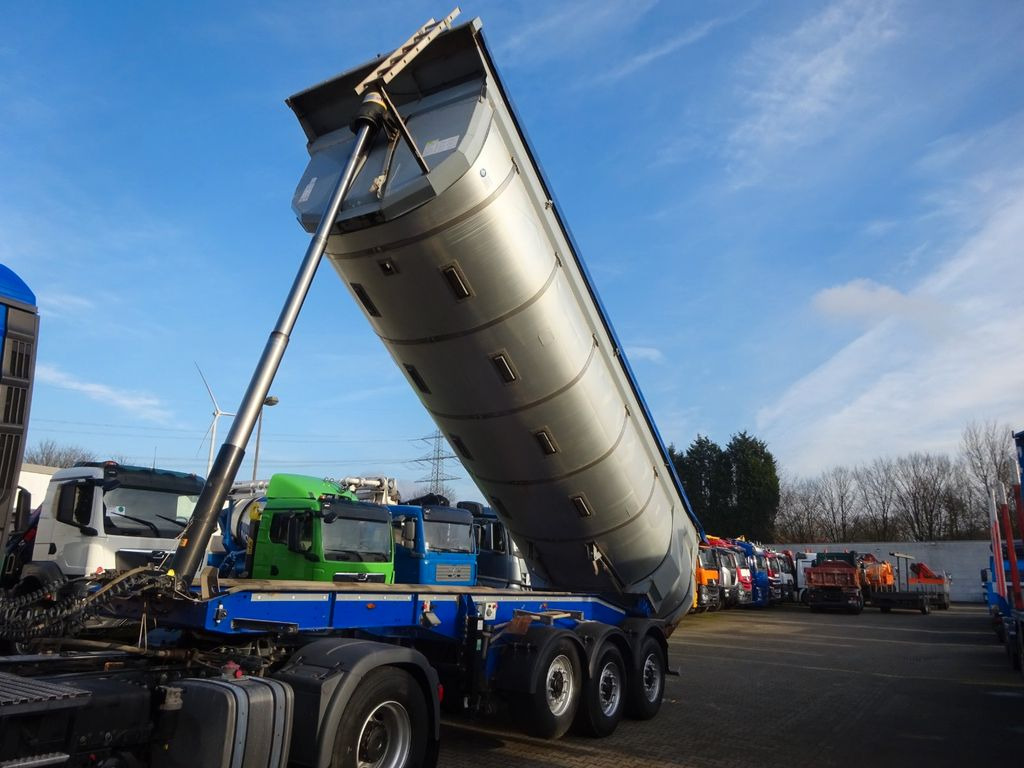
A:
(650, 354)
(63, 305)
(895, 389)
(870, 302)
(688, 37)
(566, 32)
(138, 404)
(802, 86)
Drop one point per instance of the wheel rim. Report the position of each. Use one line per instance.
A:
(385, 738)
(610, 688)
(651, 677)
(559, 685)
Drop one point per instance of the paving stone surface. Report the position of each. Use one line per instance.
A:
(786, 688)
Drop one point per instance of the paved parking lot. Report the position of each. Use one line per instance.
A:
(787, 688)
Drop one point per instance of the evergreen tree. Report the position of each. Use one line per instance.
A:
(753, 499)
(703, 471)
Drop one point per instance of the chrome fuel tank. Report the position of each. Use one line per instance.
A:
(470, 279)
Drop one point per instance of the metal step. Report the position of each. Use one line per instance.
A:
(37, 761)
(19, 695)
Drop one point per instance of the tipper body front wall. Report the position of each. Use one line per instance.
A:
(470, 278)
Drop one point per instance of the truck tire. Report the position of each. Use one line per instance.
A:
(646, 685)
(548, 712)
(384, 724)
(926, 606)
(603, 698)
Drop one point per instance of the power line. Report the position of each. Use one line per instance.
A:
(435, 460)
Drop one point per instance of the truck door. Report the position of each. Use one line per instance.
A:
(68, 538)
(492, 559)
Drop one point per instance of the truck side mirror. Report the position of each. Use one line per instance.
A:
(22, 509)
(409, 531)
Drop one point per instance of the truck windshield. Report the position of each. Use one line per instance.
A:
(129, 511)
(760, 563)
(448, 537)
(355, 540)
(707, 559)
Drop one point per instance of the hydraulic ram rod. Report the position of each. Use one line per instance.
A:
(196, 536)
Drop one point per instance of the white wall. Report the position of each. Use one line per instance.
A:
(35, 478)
(962, 559)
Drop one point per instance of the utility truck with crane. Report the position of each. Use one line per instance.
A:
(422, 190)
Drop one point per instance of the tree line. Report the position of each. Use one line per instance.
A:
(922, 496)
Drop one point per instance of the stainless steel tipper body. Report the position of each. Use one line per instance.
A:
(470, 278)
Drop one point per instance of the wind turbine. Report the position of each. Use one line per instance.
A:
(217, 413)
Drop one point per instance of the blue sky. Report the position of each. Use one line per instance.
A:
(805, 219)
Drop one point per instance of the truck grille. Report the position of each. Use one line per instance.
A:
(451, 573)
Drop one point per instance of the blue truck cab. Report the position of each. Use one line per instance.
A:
(499, 561)
(434, 544)
(757, 561)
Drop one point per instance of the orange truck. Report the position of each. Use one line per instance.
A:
(706, 596)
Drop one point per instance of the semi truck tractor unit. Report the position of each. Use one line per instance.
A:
(313, 530)
(435, 544)
(105, 516)
(423, 192)
(499, 561)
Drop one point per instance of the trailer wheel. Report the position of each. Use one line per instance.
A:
(647, 683)
(604, 695)
(548, 712)
(384, 724)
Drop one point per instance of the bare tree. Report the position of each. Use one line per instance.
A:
(923, 481)
(877, 485)
(987, 451)
(966, 516)
(49, 453)
(838, 503)
(798, 519)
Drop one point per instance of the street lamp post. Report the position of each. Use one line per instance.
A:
(267, 403)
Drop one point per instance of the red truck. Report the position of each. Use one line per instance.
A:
(833, 582)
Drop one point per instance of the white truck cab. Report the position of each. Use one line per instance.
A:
(111, 516)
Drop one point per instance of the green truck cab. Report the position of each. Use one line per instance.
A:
(314, 530)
